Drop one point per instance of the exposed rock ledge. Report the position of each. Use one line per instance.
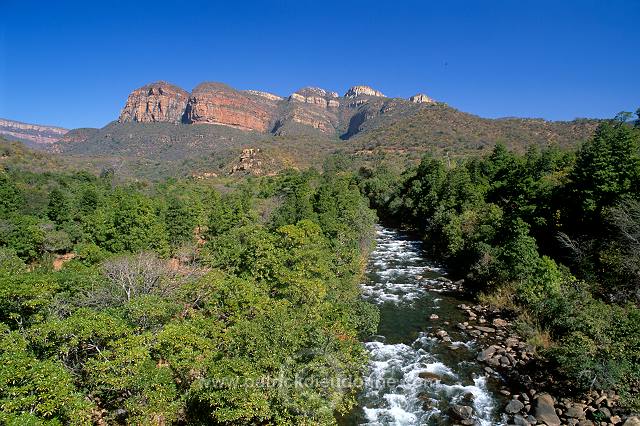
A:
(356, 91)
(265, 95)
(316, 96)
(421, 98)
(155, 102)
(531, 402)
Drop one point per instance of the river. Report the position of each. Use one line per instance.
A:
(413, 378)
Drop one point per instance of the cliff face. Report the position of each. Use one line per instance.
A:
(155, 102)
(300, 130)
(309, 108)
(264, 95)
(356, 91)
(306, 111)
(32, 134)
(316, 96)
(421, 98)
(216, 103)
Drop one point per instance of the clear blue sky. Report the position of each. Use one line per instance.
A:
(73, 63)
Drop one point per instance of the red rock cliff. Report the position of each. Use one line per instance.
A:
(217, 103)
(155, 102)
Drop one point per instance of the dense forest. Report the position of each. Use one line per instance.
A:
(181, 303)
(237, 301)
(552, 236)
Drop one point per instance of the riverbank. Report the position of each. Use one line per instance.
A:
(535, 397)
(438, 358)
(413, 379)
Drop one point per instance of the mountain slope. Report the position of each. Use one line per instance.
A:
(440, 129)
(164, 130)
(153, 150)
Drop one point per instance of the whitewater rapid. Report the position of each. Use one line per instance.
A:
(405, 287)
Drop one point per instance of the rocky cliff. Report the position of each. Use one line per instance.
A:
(31, 134)
(307, 110)
(155, 102)
(217, 103)
(312, 111)
(164, 129)
(421, 98)
(265, 95)
(356, 91)
(316, 96)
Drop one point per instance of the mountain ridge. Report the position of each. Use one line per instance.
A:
(32, 135)
(165, 130)
(220, 104)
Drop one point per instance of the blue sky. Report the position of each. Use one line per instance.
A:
(73, 63)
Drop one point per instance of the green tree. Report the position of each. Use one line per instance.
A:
(181, 220)
(35, 391)
(58, 206)
(607, 168)
(88, 200)
(25, 235)
(129, 222)
(11, 198)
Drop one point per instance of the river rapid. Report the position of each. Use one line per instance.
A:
(415, 378)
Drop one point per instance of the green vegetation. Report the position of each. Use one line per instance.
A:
(551, 235)
(227, 301)
(180, 302)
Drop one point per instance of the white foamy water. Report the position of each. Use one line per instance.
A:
(395, 265)
(394, 391)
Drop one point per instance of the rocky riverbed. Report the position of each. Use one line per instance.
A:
(507, 357)
(440, 359)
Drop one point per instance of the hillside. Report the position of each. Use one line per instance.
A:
(15, 155)
(440, 129)
(164, 130)
(153, 150)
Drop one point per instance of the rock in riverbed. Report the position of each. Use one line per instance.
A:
(544, 410)
(460, 412)
(486, 354)
(514, 406)
(427, 375)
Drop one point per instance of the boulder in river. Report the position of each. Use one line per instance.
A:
(487, 353)
(427, 375)
(460, 412)
(518, 420)
(544, 410)
(514, 406)
(575, 412)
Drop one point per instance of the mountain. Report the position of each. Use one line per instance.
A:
(163, 129)
(32, 135)
(311, 109)
(307, 110)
